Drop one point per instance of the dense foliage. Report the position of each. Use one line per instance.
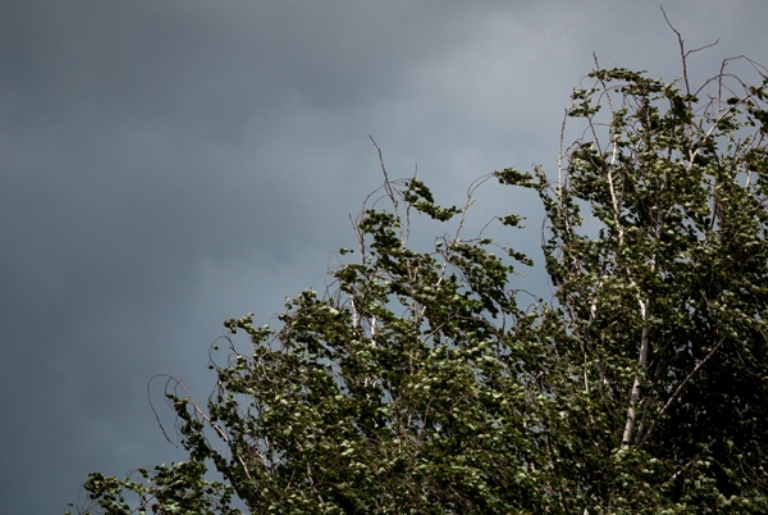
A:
(422, 383)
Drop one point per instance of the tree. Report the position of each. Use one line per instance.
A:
(420, 384)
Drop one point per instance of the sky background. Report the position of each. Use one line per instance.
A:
(168, 164)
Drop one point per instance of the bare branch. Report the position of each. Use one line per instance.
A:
(683, 53)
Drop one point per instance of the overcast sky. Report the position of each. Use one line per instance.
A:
(168, 164)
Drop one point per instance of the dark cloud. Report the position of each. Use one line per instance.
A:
(167, 164)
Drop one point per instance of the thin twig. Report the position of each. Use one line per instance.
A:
(679, 389)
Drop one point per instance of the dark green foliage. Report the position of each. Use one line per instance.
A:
(419, 384)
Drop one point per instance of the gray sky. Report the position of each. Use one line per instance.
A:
(168, 164)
